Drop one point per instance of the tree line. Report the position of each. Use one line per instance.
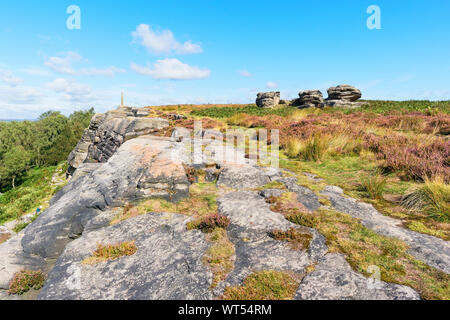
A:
(46, 141)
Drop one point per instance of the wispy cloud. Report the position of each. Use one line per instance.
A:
(171, 69)
(19, 95)
(36, 71)
(162, 41)
(72, 90)
(64, 65)
(8, 77)
(245, 73)
(271, 85)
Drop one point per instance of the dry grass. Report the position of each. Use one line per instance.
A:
(4, 237)
(297, 239)
(265, 285)
(220, 255)
(111, 252)
(433, 198)
(374, 185)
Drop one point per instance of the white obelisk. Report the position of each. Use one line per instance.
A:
(121, 101)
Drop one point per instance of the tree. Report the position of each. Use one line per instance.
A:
(15, 164)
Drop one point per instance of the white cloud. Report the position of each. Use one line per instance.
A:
(245, 73)
(36, 71)
(162, 41)
(271, 85)
(19, 95)
(72, 90)
(64, 65)
(171, 69)
(108, 72)
(10, 79)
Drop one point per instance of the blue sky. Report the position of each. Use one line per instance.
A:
(211, 51)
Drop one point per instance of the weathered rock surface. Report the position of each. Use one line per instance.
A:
(267, 99)
(343, 104)
(167, 265)
(107, 132)
(250, 221)
(309, 98)
(333, 279)
(305, 196)
(13, 259)
(242, 177)
(344, 92)
(431, 250)
(144, 167)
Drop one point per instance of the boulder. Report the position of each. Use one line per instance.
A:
(267, 99)
(309, 98)
(344, 92)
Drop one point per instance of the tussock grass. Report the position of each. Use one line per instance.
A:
(432, 198)
(265, 285)
(293, 147)
(111, 252)
(374, 185)
(315, 148)
(312, 149)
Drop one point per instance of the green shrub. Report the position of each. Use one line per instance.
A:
(227, 112)
(26, 280)
(209, 223)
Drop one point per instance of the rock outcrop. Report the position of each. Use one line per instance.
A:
(344, 92)
(108, 131)
(267, 99)
(309, 98)
(118, 162)
(343, 96)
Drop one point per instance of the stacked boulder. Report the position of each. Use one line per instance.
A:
(268, 99)
(309, 98)
(343, 96)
